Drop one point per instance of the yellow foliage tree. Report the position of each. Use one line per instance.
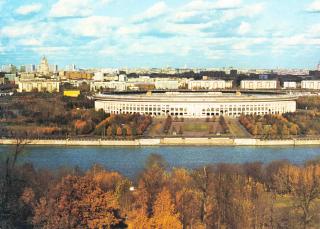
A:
(138, 217)
(164, 215)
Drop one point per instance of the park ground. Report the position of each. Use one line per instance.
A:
(210, 127)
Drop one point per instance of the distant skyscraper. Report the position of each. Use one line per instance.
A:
(30, 68)
(318, 67)
(9, 68)
(71, 68)
(44, 66)
(53, 68)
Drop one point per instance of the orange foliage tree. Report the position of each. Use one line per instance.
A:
(77, 202)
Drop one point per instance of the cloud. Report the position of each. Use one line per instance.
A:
(76, 8)
(154, 46)
(50, 50)
(2, 48)
(314, 6)
(71, 8)
(244, 46)
(244, 28)
(297, 40)
(17, 30)
(200, 5)
(109, 51)
(2, 2)
(94, 26)
(202, 10)
(184, 15)
(133, 29)
(246, 11)
(214, 54)
(314, 31)
(28, 9)
(28, 29)
(164, 32)
(30, 42)
(157, 10)
(227, 4)
(188, 30)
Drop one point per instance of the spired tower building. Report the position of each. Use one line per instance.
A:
(44, 66)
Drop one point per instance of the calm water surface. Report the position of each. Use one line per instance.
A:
(130, 160)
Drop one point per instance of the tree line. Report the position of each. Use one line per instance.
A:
(269, 126)
(251, 195)
(308, 102)
(57, 116)
(123, 125)
(300, 123)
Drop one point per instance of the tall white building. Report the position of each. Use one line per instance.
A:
(318, 67)
(44, 66)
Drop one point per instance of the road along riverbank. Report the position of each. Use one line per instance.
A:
(169, 141)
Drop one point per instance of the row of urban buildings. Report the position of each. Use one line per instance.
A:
(44, 79)
(53, 85)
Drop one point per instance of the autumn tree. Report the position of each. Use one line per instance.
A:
(186, 197)
(164, 213)
(294, 129)
(152, 178)
(250, 204)
(119, 131)
(129, 131)
(303, 183)
(83, 126)
(138, 217)
(77, 202)
(109, 131)
(10, 184)
(203, 182)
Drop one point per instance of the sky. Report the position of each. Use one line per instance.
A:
(175, 33)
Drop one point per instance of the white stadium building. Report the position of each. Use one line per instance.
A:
(195, 105)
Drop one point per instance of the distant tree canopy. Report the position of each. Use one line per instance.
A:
(308, 102)
(123, 125)
(55, 115)
(269, 126)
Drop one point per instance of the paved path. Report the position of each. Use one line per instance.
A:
(236, 129)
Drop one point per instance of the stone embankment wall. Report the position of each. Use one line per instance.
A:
(170, 141)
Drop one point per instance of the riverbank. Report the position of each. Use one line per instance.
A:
(170, 141)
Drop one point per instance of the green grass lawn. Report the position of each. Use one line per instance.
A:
(195, 127)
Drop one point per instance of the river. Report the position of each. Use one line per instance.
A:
(130, 160)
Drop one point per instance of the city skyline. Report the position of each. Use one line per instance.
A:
(198, 33)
